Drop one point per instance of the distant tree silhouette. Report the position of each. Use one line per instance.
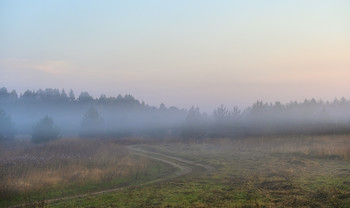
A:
(193, 115)
(7, 97)
(13, 95)
(64, 96)
(3, 93)
(221, 114)
(85, 97)
(6, 126)
(162, 107)
(52, 94)
(45, 131)
(103, 99)
(91, 124)
(194, 125)
(28, 96)
(71, 96)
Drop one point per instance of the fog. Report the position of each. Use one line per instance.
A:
(125, 116)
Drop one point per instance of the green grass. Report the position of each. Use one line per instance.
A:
(247, 175)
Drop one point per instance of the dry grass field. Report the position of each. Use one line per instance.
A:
(64, 167)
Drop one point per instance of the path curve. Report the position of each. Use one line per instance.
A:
(208, 168)
(183, 170)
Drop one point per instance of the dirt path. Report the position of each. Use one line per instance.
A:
(182, 170)
(208, 168)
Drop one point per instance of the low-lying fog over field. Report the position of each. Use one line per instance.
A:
(126, 116)
(157, 103)
(56, 149)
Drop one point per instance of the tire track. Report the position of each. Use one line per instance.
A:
(208, 168)
(182, 170)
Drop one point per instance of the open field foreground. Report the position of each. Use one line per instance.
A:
(36, 174)
(299, 171)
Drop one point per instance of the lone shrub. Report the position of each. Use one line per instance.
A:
(6, 126)
(45, 131)
(92, 124)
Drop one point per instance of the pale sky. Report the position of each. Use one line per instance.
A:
(181, 53)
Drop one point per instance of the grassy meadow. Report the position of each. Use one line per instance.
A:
(303, 171)
(37, 172)
(289, 171)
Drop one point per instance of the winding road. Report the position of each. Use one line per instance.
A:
(184, 167)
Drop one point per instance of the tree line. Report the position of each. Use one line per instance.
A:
(55, 96)
(63, 113)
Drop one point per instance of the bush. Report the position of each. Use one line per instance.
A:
(45, 131)
(6, 126)
(92, 124)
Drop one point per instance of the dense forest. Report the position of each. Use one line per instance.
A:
(125, 116)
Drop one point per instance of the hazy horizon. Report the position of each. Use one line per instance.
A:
(180, 53)
(229, 106)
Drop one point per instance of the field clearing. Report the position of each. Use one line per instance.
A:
(69, 167)
(303, 171)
